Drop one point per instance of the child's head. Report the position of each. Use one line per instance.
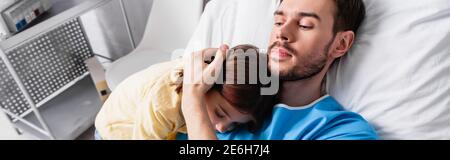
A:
(239, 101)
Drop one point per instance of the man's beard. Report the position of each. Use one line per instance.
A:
(309, 65)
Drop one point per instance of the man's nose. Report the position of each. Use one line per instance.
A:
(284, 33)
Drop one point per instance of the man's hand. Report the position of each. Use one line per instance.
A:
(198, 79)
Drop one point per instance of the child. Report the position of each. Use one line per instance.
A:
(147, 105)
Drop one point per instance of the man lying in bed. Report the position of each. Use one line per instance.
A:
(307, 37)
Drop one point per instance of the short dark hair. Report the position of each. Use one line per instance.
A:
(246, 97)
(349, 15)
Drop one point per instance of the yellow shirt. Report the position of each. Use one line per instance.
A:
(145, 106)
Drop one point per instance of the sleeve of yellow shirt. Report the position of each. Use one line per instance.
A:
(144, 106)
(159, 115)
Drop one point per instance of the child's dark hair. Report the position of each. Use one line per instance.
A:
(245, 95)
(242, 86)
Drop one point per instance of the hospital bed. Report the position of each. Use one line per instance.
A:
(397, 75)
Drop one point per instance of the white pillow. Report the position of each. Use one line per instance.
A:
(398, 73)
(234, 22)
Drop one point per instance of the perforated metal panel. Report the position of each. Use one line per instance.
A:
(11, 98)
(45, 65)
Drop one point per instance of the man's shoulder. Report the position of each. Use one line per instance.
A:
(329, 120)
(343, 124)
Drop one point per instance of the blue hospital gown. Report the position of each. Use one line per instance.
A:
(324, 119)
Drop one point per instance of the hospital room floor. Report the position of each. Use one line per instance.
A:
(87, 135)
(69, 99)
(7, 133)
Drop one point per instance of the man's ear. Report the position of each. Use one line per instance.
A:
(343, 42)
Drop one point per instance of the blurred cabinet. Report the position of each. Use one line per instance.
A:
(45, 89)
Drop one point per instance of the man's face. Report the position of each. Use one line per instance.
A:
(301, 38)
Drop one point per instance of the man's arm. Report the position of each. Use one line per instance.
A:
(198, 80)
(198, 124)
